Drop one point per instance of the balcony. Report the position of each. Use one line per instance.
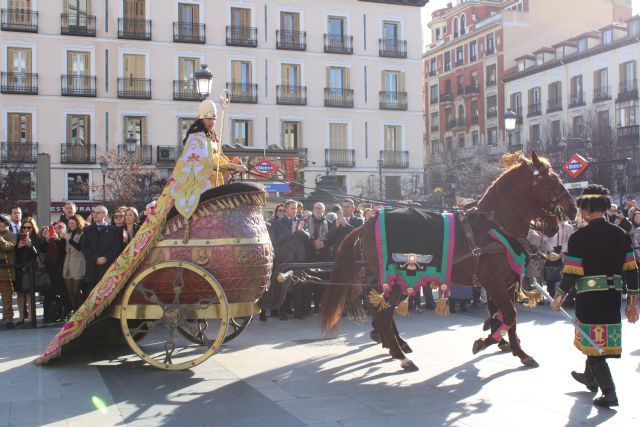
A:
(336, 43)
(450, 124)
(185, 90)
(446, 97)
(435, 127)
(472, 89)
(392, 48)
(19, 83)
(554, 105)
(20, 20)
(534, 109)
(242, 36)
(602, 93)
(393, 100)
(78, 25)
(134, 29)
(394, 159)
(243, 93)
(291, 40)
(338, 97)
(489, 50)
(433, 100)
(576, 100)
(459, 62)
(167, 154)
(461, 122)
(18, 152)
(133, 88)
(628, 134)
(78, 85)
(491, 82)
(85, 154)
(492, 112)
(342, 158)
(628, 90)
(433, 73)
(189, 32)
(142, 154)
(291, 95)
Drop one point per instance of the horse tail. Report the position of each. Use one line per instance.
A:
(340, 296)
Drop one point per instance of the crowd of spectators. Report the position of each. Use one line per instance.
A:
(65, 260)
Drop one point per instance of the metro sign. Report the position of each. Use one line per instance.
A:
(575, 166)
(265, 168)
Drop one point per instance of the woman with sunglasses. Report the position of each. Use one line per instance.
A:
(27, 250)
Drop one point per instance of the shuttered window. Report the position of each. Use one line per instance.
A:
(78, 129)
(19, 128)
(392, 138)
(135, 126)
(338, 136)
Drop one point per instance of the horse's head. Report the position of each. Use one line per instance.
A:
(547, 191)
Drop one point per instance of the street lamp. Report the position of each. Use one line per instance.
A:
(103, 167)
(453, 184)
(132, 143)
(562, 145)
(204, 80)
(510, 118)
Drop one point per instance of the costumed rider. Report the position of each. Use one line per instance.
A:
(598, 262)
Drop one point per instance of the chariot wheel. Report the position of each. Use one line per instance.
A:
(236, 326)
(174, 315)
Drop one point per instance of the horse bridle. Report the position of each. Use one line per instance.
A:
(554, 208)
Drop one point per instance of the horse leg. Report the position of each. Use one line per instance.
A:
(491, 323)
(402, 343)
(516, 349)
(383, 324)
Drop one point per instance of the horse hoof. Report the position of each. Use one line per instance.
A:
(409, 366)
(504, 346)
(478, 346)
(374, 336)
(405, 348)
(530, 362)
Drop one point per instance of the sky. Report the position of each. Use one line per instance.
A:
(440, 4)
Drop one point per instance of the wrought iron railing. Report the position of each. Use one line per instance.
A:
(18, 152)
(19, 83)
(134, 88)
(242, 36)
(78, 153)
(394, 159)
(342, 158)
(291, 95)
(338, 43)
(189, 32)
(392, 48)
(576, 99)
(142, 154)
(554, 105)
(393, 100)
(244, 93)
(78, 85)
(19, 20)
(185, 90)
(167, 154)
(134, 29)
(79, 24)
(602, 93)
(534, 109)
(628, 90)
(291, 40)
(338, 97)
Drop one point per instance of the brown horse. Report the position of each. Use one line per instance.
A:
(525, 191)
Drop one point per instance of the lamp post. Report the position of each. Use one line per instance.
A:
(103, 167)
(204, 80)
(510, 118)
(562, 145)
(380, 164)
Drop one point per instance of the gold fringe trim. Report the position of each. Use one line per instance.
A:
(535, 297)
(570, 269)
(521, 296)
(442, 308)
(377, 300)
(629, 266)
(403, 307)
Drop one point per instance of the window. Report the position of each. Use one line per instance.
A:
(183, 126)
(19, 128)
(578, 127)
(491, 75)
(490, 44)
(338, 78)
(241, 73)
(390, 30)
(391, 81)
(463, 25)
(534, 135)
(392, 188)
(492, 106)
(539, 58)
(19, 67)
(392, 140)
(582, 45)
(492, 136)
(460, 84)
(627, 76)
(432, 67)
(555, 96)
(289, 22)
(290, 75)
(433, 94)
(435, 121)
(475, 112)
(633, 28)
(186, 70)
(577, 97)
(336, 26)
(601, 82)
(338, 136)
(455, 28)
(77, 186)
(77, 9)
(473, 51)
(459, 55)
(78, 130)
(136, 127)
(435, 146)
(291, 135)
(242, 132)
(461, 140)
(460, 112)
(447, 61)
(515, 103)
(627, 113)
(475, 138)
(134, 69)
(78, 63)
(607, 36)
(449, 143)
(188, 17)
(556, 131)
(474, 80)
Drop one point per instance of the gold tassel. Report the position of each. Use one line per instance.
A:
(442, 308)
(377, 300)
(521, 295)
(535, 296)
(403, 307)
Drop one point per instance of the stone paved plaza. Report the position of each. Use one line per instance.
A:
(285, 374)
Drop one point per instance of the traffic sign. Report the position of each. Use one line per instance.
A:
(579, 184)
(575, 166)
(266, 168)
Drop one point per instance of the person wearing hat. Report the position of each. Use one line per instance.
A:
(7, 252)
(598, 262)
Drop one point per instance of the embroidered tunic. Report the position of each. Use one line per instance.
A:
(598, 262)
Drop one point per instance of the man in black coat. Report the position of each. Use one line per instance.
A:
(101, 245)
(289, 242)
(346, 223)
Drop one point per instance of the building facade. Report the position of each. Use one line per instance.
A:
(473, 43)
(83, 78)
(580, 95)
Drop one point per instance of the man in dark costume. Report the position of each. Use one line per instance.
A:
(598, 262)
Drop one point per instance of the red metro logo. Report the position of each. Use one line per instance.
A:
(265, 168)
(575, 166)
